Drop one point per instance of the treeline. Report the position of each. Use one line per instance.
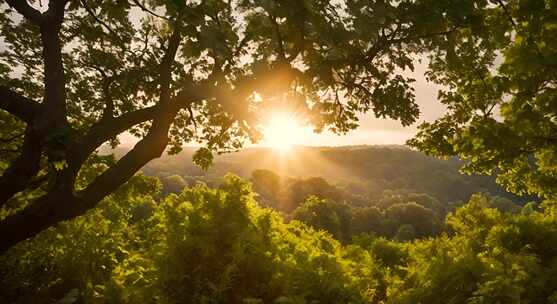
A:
(400, 195)
(218, 245)
(401, 215)
(364, 171)
(346, 209)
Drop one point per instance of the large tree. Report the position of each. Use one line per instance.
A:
(501, 94)
(77, 74)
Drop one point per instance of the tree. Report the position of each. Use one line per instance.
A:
(300, 190)
(500, 81)
(405, 233)
(269, 186)
(76, 75)
(504, 205)
(173, 184)
(326, 215)
(423, 220)
(367, 220)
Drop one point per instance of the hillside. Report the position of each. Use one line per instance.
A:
(362, 170)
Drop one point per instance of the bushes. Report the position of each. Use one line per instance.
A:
(216, 245)
(201, 246)
(492, 257)
(220, 247)
(77, 255)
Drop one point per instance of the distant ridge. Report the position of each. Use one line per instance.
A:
(373, 167)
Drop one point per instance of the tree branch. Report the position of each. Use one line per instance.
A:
(108, 110)
(9, 139)
(55, 206)
(17, 105)
(507, 13)
(424, 36)
(106, 129)
(149, 148)
(165, 68)
(102, 23)
(109, 127)
(143, 8)
(299, 45)
(39, 214)
(280, 43)
(22, 7)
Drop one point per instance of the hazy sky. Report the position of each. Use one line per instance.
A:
(372, 131)
(377, 131)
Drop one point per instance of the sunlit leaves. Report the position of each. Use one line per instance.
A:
(492, 257)
(203, 157)
(500, 95)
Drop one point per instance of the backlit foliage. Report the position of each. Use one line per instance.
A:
(500, 80)
(216, 245)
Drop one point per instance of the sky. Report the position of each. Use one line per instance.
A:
(377, 131)
(372, 131)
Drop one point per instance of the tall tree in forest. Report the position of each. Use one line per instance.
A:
(75, 74)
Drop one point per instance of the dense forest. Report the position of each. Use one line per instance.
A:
(271, 238)
(219, 245)
(377, 190)
(464, 212)
(365, 171)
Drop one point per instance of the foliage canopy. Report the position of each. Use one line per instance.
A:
(77, 74)
(500, 80)
(216, 245)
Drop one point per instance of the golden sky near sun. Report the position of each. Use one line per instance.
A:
(283, 130)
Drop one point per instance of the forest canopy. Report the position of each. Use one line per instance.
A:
(217, 245)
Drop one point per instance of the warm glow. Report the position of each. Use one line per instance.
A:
(282, 132)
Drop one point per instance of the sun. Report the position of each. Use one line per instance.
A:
(281, 132)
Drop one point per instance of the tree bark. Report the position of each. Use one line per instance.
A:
(17, 105)
(54, 207)
(23, 168)
(27, 11)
